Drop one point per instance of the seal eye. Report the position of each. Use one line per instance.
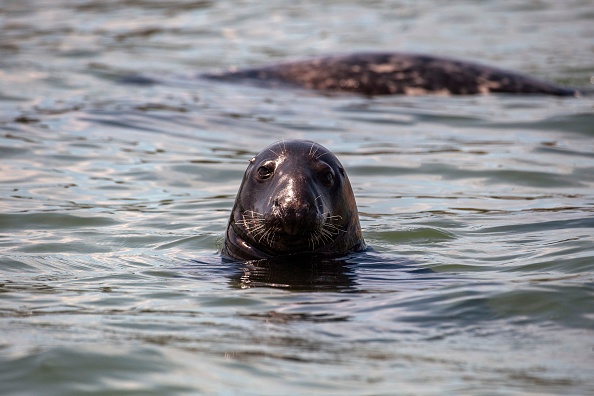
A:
(264, 172)
(328, 179)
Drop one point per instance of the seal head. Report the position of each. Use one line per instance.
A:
(295, 198)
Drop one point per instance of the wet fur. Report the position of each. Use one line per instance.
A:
(386, 73)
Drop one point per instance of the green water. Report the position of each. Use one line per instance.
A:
(114, 198)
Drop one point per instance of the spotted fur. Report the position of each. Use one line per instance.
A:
(391, 74)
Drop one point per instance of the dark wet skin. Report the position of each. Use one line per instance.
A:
(295, 198)
(392, 74)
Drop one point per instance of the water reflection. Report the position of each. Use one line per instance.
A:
(349, 273)
(299, 272)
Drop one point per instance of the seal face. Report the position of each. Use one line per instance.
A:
(295, 198)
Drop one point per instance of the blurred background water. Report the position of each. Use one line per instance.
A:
(114, 198)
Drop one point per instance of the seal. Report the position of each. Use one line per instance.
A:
(391, 74)
(295, 198)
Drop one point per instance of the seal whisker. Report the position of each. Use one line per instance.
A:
(258, 229)
(316, 240)
(334, 229)
(264, 235)
(313, 144)
(311, 243)
(313, 151)
(326, 234)
(317, 156)
(253, 222)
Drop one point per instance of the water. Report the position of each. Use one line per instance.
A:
(114, 198)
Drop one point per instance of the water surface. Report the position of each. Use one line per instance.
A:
(114, 198)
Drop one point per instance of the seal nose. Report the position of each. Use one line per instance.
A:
(295, 216)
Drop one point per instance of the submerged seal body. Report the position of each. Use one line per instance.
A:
(295, 198)
(393, 73)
